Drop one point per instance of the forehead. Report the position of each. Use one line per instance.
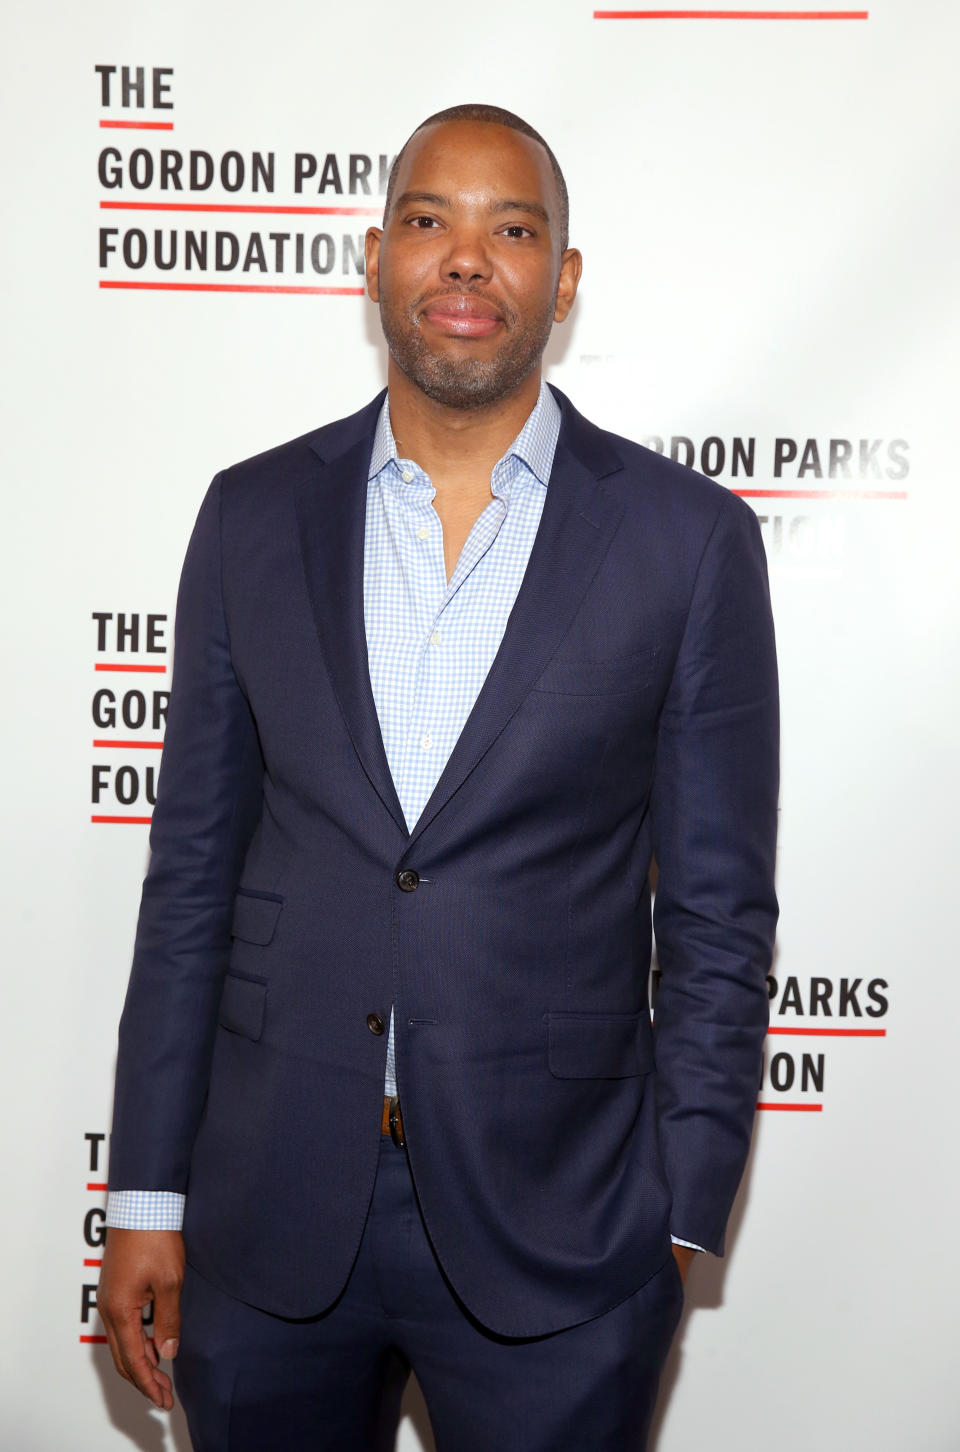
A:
(460, 158)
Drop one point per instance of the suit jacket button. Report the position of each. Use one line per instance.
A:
(408, 880)
(374, 1023)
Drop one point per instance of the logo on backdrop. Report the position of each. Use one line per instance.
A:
(187, 219)
(807, 1019)
(129, 713)
(94, 1235)
(798, 485)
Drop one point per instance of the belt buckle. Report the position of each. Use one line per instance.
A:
(396, 1123)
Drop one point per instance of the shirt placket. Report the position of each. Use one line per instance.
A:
(426, 745)
(421, 557)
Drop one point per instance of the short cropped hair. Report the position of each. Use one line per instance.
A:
(497, 116)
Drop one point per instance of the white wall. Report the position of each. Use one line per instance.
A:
(768, 215)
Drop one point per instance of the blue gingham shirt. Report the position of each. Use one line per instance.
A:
(430, 641)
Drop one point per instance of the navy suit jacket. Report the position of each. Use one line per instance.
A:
(555, 1136)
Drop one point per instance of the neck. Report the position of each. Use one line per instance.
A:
(456, 443)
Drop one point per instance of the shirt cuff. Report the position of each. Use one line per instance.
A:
(675, 1238)
(145, 1209)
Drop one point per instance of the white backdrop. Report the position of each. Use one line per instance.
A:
(768, 215)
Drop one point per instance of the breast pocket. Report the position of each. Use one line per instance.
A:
(613, 675)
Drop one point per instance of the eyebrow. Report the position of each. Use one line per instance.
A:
(512, 204)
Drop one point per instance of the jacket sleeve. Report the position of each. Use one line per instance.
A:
(208, 801)
(714, 813)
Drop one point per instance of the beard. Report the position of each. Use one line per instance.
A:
(464, 382)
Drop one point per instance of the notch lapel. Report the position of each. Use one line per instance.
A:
(331, 500)
(576, 527)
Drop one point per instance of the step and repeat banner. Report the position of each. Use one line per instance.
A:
(767, 207)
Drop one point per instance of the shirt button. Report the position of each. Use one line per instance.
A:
(374, 1023)
(423, 532)
(408, 880)
(435, 638)
(407, 477)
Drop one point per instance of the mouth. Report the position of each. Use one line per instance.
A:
(462, 315)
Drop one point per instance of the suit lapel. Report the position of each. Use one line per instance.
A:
(578, 522)
(331, 501)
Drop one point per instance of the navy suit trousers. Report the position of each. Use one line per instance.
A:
(254, 1382)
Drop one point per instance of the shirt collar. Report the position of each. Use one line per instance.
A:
(535, 444)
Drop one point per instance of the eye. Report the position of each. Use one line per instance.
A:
(516, 230)
(422, 224)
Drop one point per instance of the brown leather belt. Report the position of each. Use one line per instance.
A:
(391, 1121)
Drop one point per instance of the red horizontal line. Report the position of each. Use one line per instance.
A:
(821, 493)
(836, 1033)
(731, 15)
(137, 125)
(94, 1340)
(93, 1262)
(155, 670)
(131, 745)
(239, 207)
(235, 287)
(808, 1108)
(96, 1185)
(142, 821)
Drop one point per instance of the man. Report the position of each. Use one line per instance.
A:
(448, 673)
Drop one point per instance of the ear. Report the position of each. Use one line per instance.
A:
(571, 266)
(371, 249)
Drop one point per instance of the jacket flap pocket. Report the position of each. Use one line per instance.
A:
(599, 1045)
(242, 1006)
(255, 917)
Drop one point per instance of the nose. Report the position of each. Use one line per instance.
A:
(467, 258)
